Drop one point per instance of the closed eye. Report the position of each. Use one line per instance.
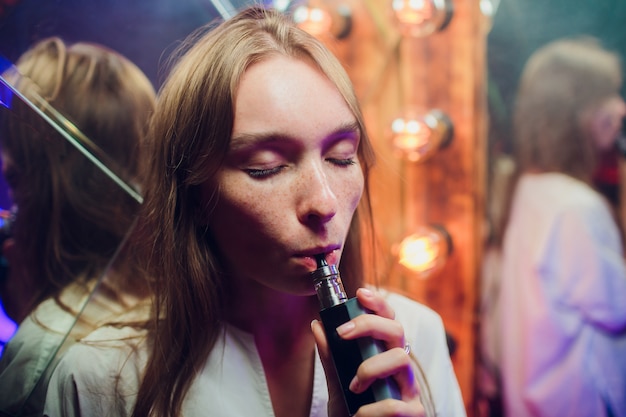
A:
(265, 172)
(342, 162)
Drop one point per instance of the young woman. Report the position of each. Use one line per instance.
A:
(563, 277)
(71, 216)
(259, 160)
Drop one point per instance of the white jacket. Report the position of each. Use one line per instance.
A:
(563, 302)
(232, 382)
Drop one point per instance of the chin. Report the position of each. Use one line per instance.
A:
(301, 288)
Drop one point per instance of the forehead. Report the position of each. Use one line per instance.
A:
(290, 95)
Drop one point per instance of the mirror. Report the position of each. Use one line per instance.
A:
(518, 29)
(24, 112)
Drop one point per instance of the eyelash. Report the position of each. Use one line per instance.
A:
(342, 162)
(263, 173)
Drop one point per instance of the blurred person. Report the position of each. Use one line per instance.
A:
(71, 217)
(258, 163)
(562, 278)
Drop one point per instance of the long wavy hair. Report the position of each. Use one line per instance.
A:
(188, 141)
(71, 216)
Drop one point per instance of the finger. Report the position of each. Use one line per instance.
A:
(335, 392)
(322, 344)
(374, 301)
(390, 332)
(392, 363)
(395, 408)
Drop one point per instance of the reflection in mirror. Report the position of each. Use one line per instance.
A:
(553, 98)
(71, 122)
(67, 129)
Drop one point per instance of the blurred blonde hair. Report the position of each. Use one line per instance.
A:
(561, 81)
(72, 217)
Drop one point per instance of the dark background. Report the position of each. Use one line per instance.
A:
(145, 31)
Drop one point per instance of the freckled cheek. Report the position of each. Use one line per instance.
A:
(260, 211)
(354, 192)
(223, 207)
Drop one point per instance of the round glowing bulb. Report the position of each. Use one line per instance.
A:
(410, 138)
(425, 250)
(421, 17)
(313, 20)
(416, 138)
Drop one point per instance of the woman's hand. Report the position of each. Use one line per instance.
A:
(394, 362)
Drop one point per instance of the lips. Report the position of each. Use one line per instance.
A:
(331, 253)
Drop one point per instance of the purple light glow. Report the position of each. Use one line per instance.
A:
(7, 329)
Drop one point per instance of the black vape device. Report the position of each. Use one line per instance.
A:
(347, 355)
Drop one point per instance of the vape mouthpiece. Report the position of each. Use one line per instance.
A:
(321, 260)
(324, 271)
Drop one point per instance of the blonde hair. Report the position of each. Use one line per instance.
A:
(71, 215)
(560, 82)
(189, 138)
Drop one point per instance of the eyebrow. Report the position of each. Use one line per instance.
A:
(244, 140)
(348, 128)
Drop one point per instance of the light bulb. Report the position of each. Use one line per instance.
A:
(319, 21)
(488, 9)
(416, 138)
(425, 250)
(421, 17)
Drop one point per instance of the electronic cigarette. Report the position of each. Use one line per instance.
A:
(347, 355)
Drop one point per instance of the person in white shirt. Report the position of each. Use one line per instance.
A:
(258, 160)
(562, 321)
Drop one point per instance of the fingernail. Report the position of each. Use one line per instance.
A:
(354, 384)
(367, 293)
(313, 322)
(345, 328)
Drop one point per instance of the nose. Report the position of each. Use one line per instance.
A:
(318, 202)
